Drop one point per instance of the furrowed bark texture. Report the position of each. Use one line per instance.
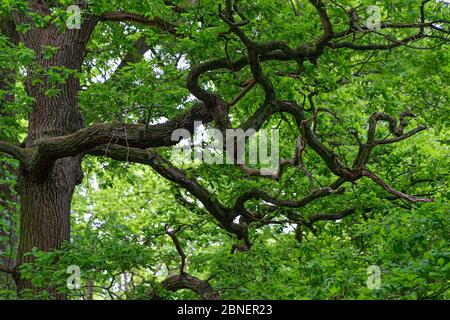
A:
(45, 196)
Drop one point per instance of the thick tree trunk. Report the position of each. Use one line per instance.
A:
(45, 197)
(45, 212)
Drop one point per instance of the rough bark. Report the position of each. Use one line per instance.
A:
(45, 199)
(185, 281)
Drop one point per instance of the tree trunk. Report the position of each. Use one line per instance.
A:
(45, 197)
(45, 213)
(45, 200)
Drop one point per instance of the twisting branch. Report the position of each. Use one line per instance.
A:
(175, 8)
(253, 50)
(260, 77)
(396, 129)
(247, 88)
(258, 194)
(39, 158)
(17, 152)
(364, 47)
(178, 282)
(9, 270)
(353, 174)
(389, 189)
(222, 214)
(301, 163)
(401, 137)
(173, 235)
(326, 24)
(355, 27)
(296, 161)
(184, 280)
(157, 22)
(331, 216)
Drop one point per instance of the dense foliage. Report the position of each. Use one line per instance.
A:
(129, 220)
